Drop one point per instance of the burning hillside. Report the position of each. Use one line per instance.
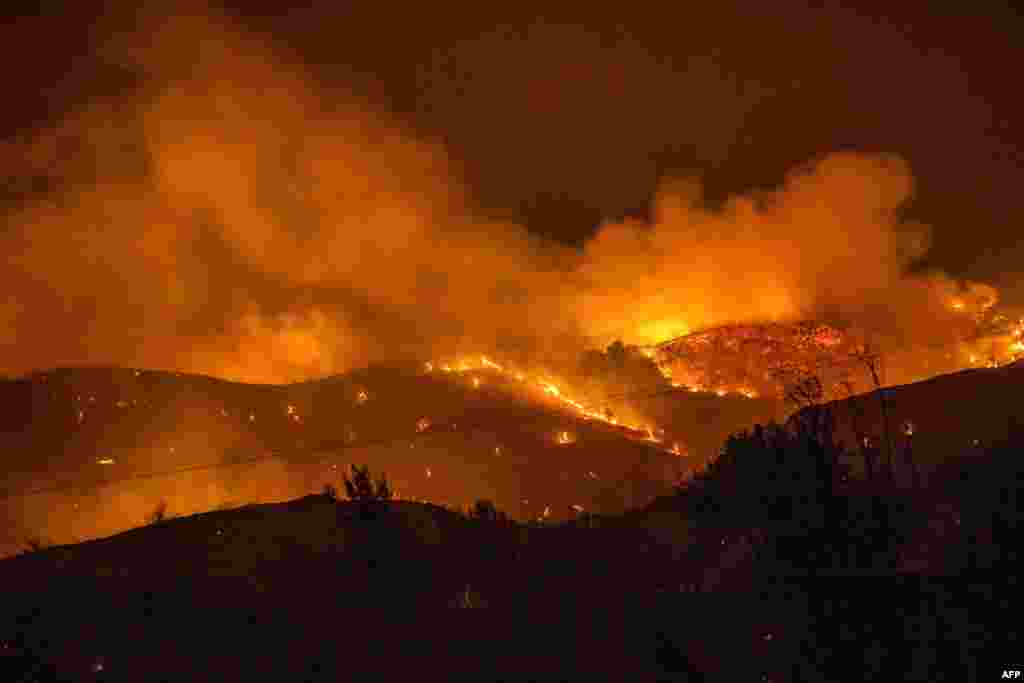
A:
(95, 450)
(772, 359)
(309, 233)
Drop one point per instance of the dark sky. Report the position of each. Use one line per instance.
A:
(562, 118)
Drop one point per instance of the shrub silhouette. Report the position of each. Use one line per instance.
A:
(781, 483)
(486, 511)
(361, 486)
(371, 497)
(159, 513)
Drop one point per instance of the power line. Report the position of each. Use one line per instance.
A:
(190, 468)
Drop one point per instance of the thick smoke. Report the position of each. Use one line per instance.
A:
(232, 216)
(828, 244)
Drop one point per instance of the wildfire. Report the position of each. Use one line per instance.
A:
(545, 385)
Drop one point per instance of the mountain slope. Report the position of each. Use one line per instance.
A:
(90, 439)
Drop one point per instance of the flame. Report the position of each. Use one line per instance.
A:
(486, 362)
(550, 389)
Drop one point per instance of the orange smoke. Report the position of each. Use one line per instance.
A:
(234, 217)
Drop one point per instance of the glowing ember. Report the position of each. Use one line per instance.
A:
(252, 417)
(422, 424)
(676, 449)
(490, 364)
(362, 397)
(565, 438)
(429, 473)
(476, 382)
(105, 461)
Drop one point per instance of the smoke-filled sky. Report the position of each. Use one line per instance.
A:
(271, 196)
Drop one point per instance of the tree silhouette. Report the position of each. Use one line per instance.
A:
(371, 497)
(486, 511)
(361, 486)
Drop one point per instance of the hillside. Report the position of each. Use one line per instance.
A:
(755, 569)
(87, 440)
(949, 416)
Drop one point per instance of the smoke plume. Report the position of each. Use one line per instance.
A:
(232, 216)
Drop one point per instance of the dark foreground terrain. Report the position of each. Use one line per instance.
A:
(800, 580)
